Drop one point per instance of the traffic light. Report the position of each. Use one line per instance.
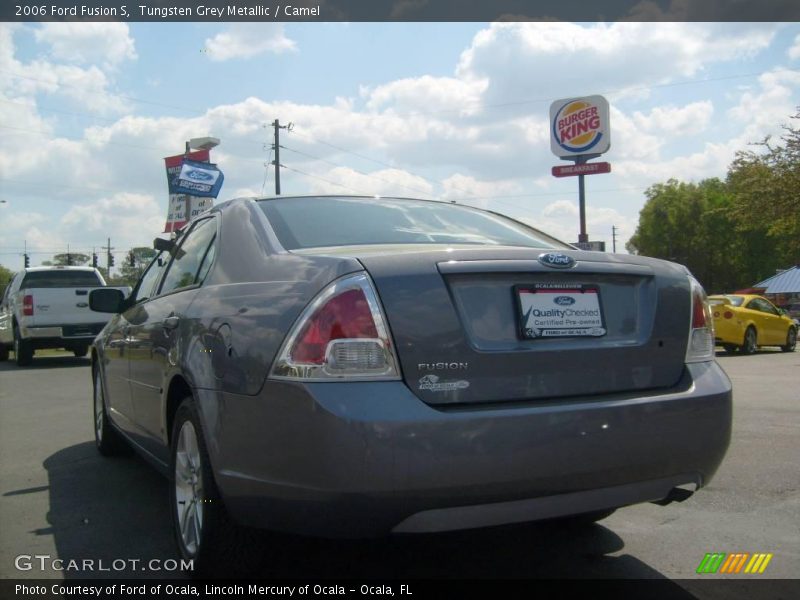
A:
(131, 259)
(69, 259)
(110, 260)
(27, 260)
(95, 262)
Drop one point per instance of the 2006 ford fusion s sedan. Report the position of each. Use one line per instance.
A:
(353, 367)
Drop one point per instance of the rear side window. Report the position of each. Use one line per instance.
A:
(318, 222)
(60, 279)
(188, 257)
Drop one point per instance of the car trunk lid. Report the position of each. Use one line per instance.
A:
(455, 315)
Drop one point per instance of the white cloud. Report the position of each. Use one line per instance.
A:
(445, 95)
(548, 60)
(123, 215)
(245, 40)
(439, 127)
(88, 42)
(384, 182)
(669, 120)
(465, 187)
(762, 110)
(794, 51)
(560, 219)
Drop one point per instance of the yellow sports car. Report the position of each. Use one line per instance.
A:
(744, 322)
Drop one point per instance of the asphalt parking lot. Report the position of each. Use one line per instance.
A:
(58, 497)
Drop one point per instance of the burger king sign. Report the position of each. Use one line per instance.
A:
(579, 126)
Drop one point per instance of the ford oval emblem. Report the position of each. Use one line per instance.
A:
(564, 300)
(199, 175)
(556, 260)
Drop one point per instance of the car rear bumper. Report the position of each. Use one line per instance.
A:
(56, 336)
(728, 331)
(365, 459)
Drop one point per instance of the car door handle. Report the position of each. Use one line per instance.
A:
(171, 322)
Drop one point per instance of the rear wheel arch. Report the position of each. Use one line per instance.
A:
(791, 339)
(747, 346)
(177, 392)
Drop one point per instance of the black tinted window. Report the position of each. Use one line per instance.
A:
(316, 222)
(183, 269)
(60, 279)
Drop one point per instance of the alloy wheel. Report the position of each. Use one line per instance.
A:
(99, 408)
(189, 488)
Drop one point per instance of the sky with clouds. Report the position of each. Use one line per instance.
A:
(436, 110)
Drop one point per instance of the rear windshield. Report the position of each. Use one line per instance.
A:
(320, 222)
(60, 279)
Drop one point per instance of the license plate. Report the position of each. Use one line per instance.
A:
(553, 312)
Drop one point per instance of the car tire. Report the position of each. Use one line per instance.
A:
(203, 530)
(730, 348)
(81, 351)
(4, 352)
(750, 341)
(109, 441)
(791, 340)
(23, 351)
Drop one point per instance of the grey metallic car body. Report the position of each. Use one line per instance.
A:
(530, 437)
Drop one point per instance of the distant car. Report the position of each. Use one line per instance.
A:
(743, 322)
(48, 307)
(793, 310)
(352, 367)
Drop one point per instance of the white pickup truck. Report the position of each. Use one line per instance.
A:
(48, 307)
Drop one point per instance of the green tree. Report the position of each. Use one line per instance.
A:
(130, 273)
(766, 187)
(691, 224)
(78, 259)
(5, 278)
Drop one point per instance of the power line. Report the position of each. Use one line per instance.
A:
(473, 105)
(60, 84)
(341, 185)
(333, 164)
(346, 151)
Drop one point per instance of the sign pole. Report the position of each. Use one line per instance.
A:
(583, 237)
(580, 131)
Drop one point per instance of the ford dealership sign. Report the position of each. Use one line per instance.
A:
(579, 126)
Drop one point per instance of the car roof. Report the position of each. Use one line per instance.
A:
(59, 268)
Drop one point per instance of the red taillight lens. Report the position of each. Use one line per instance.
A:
(27, 306)
(728, 314)
(701, 331)
(698, 310)
(346, 316)
(341, 335)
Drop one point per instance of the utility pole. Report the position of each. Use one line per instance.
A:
(277, 147)
(614, 238)
(277, 161)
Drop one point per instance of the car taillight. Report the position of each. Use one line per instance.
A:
(27, 305)
(341, 335)
(701, 330)
(728, 314)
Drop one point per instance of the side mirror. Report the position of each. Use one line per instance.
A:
(106, 300)
(163, 245)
